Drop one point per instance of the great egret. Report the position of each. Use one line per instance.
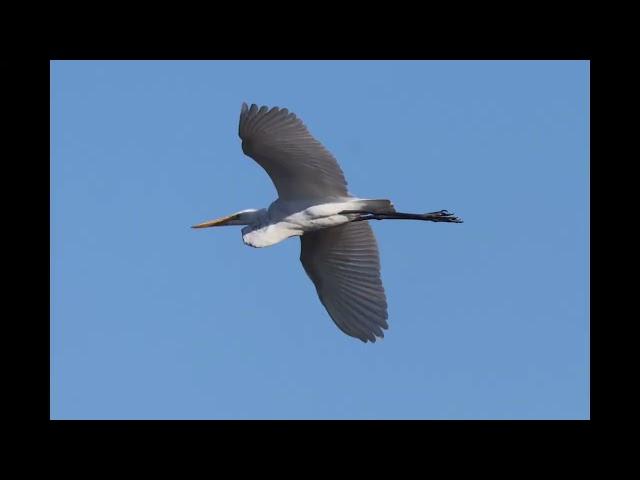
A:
(338, 249)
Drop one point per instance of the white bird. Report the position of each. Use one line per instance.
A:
(338, 249)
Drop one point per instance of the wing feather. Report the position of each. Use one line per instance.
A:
(299, 166)
(344, 265)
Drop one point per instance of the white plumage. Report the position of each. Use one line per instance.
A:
(338, 249)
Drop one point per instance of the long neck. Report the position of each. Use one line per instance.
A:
(250, 217)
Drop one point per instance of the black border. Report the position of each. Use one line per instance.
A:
(197, 47)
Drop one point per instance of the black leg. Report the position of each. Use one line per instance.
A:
(439, 216)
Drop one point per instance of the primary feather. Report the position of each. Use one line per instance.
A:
(344, 265)
(299, 166)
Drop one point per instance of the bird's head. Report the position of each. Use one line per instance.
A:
(243, 217)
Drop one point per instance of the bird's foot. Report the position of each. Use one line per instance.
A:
(442, 216)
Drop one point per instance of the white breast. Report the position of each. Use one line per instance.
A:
(269, 234)
(284, 223)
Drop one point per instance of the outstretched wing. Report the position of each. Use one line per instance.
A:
(299, 166)
(344, 265)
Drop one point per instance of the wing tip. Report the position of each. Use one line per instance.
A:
(370, 334)
(255, 108)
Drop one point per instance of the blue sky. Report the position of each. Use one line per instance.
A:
(153, 320)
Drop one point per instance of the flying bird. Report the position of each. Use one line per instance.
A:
(339, 252)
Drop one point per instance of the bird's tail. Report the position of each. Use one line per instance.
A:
(376, 205)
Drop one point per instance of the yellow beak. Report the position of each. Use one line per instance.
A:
(218, 222)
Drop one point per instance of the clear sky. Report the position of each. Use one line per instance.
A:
(489, 319)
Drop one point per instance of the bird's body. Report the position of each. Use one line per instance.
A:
(284, 219)
(338, 249)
